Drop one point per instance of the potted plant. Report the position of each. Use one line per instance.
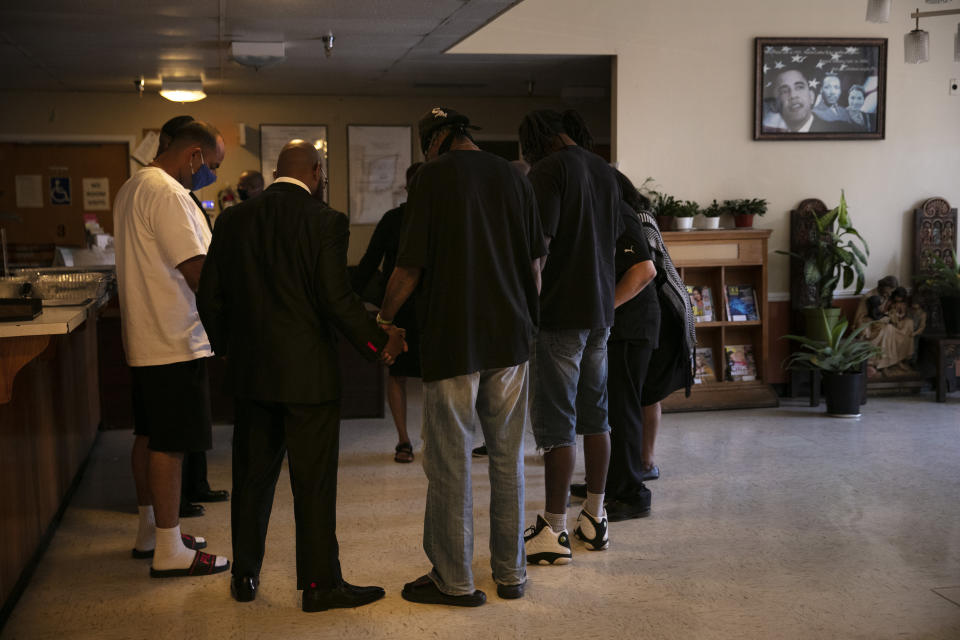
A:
(745, 209)
(840, 360)
(683, 215)
(839, 254)
(942, 279)
(711, 216)
(663, 207)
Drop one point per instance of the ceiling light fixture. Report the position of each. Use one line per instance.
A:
(328, 43)
(182, 89)
(258, 54)
(878, 10)
(916, 44)
(956, 45)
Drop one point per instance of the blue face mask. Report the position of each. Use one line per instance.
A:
(203, 176)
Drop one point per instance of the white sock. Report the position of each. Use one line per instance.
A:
(172, 554)
(146, 535)
(594, 505)
(557, 521)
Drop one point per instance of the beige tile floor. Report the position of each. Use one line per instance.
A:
(775, 523)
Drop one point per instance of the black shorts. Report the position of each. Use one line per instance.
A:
(171, 406)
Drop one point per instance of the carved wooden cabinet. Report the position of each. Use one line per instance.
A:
(718, 259)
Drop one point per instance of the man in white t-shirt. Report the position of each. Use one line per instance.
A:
(161, 242)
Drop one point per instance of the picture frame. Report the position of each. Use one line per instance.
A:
(274, 136)
(377, 161)
(820, 89)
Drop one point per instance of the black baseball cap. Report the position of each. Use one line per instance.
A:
(437, 118)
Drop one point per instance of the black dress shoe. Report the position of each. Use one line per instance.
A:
(210, 495)
(511, 591)
(190, 510)
(343, 596)
(244, 588)
(425, 591)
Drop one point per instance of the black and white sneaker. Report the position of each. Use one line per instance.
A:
(592, 532)
(546, 546)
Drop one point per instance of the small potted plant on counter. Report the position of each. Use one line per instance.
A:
(840, 360)
(664, 207)
(745, 209)
(711, 216)
(683, 215)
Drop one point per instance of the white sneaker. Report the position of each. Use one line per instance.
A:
(593, 532)
(546, 546)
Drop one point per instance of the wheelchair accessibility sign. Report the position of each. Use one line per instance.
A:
(60, 190)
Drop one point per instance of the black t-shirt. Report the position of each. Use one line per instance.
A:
(579, 201)
(471, 223)
(383, 247)
(638, 318)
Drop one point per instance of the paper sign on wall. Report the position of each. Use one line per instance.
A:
(29, 192)
(147, 148)
(60, 190)
(96, 194)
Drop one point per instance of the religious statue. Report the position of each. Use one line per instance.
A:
(892, 324)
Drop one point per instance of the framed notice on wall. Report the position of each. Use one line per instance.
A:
(274, 136)
(378, 161)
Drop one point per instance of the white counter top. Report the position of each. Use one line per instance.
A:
(53, 321)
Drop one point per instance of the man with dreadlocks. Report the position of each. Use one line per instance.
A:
(579, 202)
(472, 241)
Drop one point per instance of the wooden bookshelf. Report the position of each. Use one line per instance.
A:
(717, 259)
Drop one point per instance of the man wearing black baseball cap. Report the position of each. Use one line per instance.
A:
(472, 241)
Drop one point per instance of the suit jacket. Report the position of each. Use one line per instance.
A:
(274, 286)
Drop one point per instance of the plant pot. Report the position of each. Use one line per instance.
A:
(743, 219)
(665, 222)
(683, 224)
(843, 392)
(711, 222)
(813, 321)
(951, 314)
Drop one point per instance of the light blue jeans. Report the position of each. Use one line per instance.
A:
(569, 377)
(497, 399)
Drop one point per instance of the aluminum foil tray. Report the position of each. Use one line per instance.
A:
(69, 288)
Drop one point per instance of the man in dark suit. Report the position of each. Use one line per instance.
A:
(273, 288)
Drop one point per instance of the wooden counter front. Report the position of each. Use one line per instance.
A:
(47, 428)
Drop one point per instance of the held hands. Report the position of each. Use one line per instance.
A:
(395, 343)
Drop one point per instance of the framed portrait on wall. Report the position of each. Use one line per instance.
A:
(378, 157)
(820, 89)
(274, 136)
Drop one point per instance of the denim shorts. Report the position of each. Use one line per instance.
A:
(569, 383)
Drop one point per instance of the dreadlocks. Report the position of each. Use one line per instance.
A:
(577, 129)
(538, 134)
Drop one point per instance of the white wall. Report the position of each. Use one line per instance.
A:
(684, 108)
(71, 116)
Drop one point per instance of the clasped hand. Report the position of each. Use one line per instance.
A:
(396, 344)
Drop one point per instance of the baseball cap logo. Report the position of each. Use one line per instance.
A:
(439, 113)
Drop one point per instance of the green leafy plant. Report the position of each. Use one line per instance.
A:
(839, 254)
(745, 206)
(713, 211)
(754, 206)
(942, 278)
(840, 354)
(687, 209)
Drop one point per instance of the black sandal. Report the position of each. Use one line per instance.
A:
(404, 452)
